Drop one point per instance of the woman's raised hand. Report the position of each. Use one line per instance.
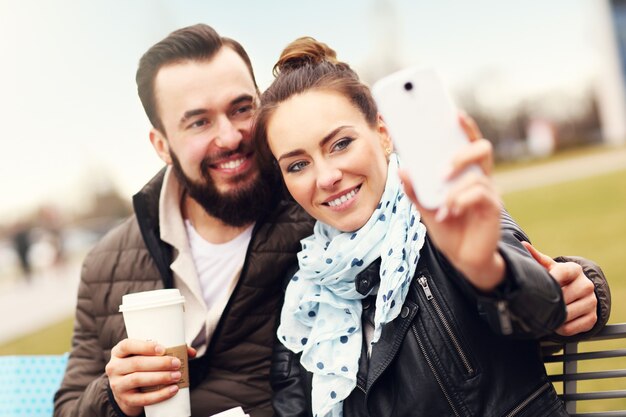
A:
(466, 228)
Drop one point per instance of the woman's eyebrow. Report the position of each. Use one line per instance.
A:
(323, 142)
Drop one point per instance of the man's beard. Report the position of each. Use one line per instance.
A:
(238, 207)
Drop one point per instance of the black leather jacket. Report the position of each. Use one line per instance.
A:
(452, 351)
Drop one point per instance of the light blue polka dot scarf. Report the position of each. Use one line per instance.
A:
(321, 316)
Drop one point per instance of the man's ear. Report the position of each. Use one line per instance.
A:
(161, 145)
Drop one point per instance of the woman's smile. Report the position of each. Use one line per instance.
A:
(332, 160)
(344, 200)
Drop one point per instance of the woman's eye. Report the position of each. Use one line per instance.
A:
(297, 166)
(342, 144)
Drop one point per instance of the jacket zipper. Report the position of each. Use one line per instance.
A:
(423, 281)
(359, 386)
(524, 403)
(433, 370)
(244, 270)
(505, 317)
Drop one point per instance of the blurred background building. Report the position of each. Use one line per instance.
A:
(536, 124)
(611, 90)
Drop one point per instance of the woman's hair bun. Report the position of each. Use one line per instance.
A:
(304, 51)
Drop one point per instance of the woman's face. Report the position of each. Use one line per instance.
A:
(334, 163)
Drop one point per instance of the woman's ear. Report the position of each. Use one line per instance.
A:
(385, 138)
(161, 145)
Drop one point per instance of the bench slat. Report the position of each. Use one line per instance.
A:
(589, 375)
(570, 357)
(597, 395)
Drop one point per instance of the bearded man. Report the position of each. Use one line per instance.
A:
(210, 224)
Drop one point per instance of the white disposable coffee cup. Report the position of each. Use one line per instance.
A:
(158, 316)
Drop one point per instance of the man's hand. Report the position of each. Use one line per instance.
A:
(137, 364)
(578, 293)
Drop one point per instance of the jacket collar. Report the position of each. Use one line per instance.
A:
(393, 332)
(368, 279)
(146, 205)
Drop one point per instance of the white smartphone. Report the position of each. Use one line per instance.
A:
(424, 126)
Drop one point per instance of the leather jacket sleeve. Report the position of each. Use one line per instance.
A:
(290, 383)
(591, 271)
(529, 303)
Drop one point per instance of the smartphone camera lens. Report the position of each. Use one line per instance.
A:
(408, 86)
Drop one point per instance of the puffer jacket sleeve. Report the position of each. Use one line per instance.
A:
(529, 303)
(84, 390)
(603, 296)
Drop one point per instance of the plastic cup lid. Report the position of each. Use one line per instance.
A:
(151, 299)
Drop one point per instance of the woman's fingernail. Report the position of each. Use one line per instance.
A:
(442, 214)
(159, 349)
(175, 363)
(173, 388)
(175, 376)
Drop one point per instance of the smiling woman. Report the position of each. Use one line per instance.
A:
(379, 300)
(333, 162)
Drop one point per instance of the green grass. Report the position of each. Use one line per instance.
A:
(54, 339)
(504, 166)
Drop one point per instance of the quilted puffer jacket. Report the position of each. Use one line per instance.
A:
(132, 258)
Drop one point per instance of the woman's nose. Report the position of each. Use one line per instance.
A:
(328, 176)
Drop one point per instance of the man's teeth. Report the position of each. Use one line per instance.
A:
(343, 198)
(232, 164)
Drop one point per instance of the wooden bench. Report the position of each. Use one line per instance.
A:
(570, 377)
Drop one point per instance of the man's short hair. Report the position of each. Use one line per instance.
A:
(193, 43)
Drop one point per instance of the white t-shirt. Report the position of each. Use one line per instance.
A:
(217, 264)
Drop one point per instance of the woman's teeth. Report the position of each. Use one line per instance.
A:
(343, 198)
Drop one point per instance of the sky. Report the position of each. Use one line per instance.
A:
(70, 115)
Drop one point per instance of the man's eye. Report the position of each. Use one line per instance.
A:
(342, 144)
(297, 166)
(244, 109)
(199, 123)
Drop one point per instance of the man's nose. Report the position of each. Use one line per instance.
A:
(229, 136)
